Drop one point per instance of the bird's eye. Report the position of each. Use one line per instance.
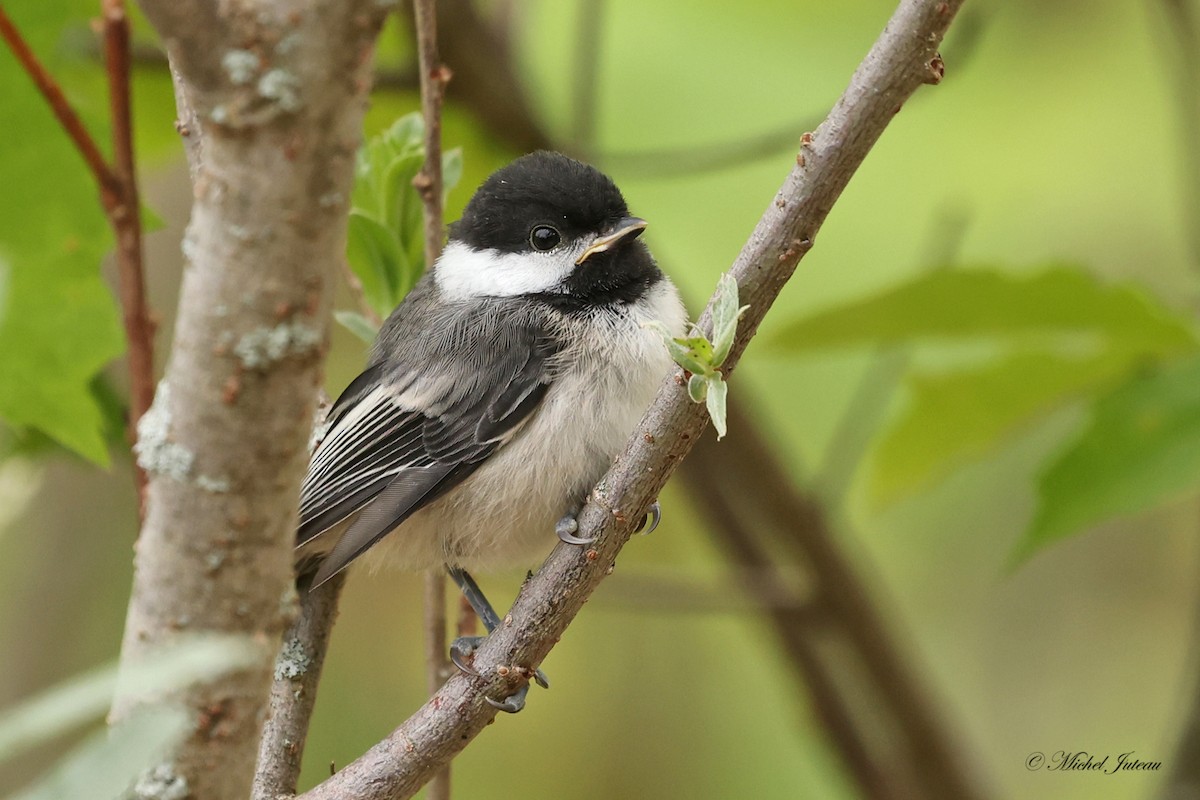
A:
(543, 237)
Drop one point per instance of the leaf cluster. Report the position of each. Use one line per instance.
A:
(385, 245)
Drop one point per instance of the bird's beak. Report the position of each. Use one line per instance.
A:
(629, 227)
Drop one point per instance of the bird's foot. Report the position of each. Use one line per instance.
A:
(567, 527)
(462, 653)
(651, 520)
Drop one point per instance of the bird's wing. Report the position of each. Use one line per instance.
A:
(400, 439)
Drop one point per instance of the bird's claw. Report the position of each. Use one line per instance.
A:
(566, 527)
(651, 520)
(463, 649)
(511, 704)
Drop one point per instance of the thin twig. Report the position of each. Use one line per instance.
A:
(294, 692)
(902, 59)
(434, 77)
(110, 185)
(126, 221)
(436, 666)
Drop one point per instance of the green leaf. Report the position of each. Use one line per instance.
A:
(1141, 448)
(357, 324)
(717, 391)
(71, 704)
(726, 314)
(406, 134)
(452, 169)
(681, 353)
(60, 326)
(375, 257)
(1057, 301)
(402, 210)
(108, 764)
(700, 349)
(953, 417)
(697, 387)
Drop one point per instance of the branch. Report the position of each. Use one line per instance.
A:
(487, 79)
(294, 692)
(434, 77)
(904, 58)
(126, 221)
(272, 102)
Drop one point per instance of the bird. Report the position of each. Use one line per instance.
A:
(498, 391)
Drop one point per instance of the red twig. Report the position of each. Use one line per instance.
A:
(126, 222)
(118, 190)
(109, 185)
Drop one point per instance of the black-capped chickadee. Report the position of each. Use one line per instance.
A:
(499, 391)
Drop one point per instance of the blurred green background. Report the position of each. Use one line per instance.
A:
(1054, 136)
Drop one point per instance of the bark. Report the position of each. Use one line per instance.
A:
(904, 57)
(271, 99)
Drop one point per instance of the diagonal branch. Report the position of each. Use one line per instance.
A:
(902, 59)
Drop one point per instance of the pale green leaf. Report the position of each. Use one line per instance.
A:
(69, 705)
(681, 353)
(726, 313)
(452, 168)
(953, 417)
(717, 391)
(700, 349)
(981, 303)
(109, 763)
(357, 324)
(697, 387)
(407, 134)
(1141, 448)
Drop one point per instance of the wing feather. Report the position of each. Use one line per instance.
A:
(401, 437)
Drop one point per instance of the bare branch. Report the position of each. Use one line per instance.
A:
(126, 221)
(272, 98)
(904, 58)
(434, 77)
(436, 663)
(294, 692)
(488, 83)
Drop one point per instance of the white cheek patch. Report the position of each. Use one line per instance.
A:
(463, 272)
